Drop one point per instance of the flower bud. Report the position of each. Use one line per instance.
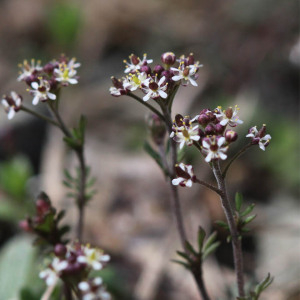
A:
(262, 132)
(48, 68)
(190, 59)
(210, 129)
(158, 69)
(43, 204)
(157, 129)
(219, 128)
(24, 225)
(229, 112)
(230, 136)
(60, 250)
(203, 119)
(168, 58)
(145, 69)
(179, 120)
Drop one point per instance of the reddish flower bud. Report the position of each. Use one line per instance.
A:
(158, 69)
(24, 225)
(203, 119)
(42, 207)
(190, 59)
(179, 120)
(262, 132)
(229, 112)
(230, 136)
(219, 128)
(168, 58)
(60, 250)
(48, 68)
(210, 129)
(145, 69)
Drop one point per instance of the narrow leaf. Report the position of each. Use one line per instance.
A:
(222, 224)
(238, 201)
(201, 236)
(187, 266)
(249, 219)
(210, 249)
(210, 240)
(184, 255)
(247, 210)
(190, 248)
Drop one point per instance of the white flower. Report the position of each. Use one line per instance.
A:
(186, 74)
(11, 104)
(72, 64)
(66, 74)
(118, 88)
(52, 273)
(185, 175)
(40, 91)
(93, 290)
(135, 81)
(259, 137)
(228, 116)
(183, 131)
(136, 63)
(93, 257)
(154, 89)
(29, 69)
(213, 148)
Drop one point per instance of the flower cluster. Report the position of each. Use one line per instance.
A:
(209, 134)
(259, 137)
(44, 81)
(159, 81)
(74, 262)
(185, 175)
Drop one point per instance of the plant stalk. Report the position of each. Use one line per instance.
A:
(236, 242)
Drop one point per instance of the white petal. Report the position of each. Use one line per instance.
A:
(147, 96)
(81, 259)
(177, 77)
(262, 147)
(83, 286)
(35, 100)
(222, 155)
(73, 81)
(161, 81)
(182, 166)
(176, 181)
(195, 137)
(5, 103)
(181, 145)
(51, 96)
(193, 82)
(209, 157)
(162, 94)
(224, 122)
(205, 144)
(189, 183)
(221, 141)
(96, 265)
(98, 281)
(267, 137)
(105, 257)
(35, 85)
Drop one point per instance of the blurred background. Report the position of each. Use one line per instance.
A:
(251, 56)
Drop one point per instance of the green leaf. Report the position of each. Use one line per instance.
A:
(67, 184)
(154, 155)
(71, 142)
(184, 255)
(209, 250)
(222, 224)
(47, 224)
(190, 248)
(17, 259)
(91, 182)
(60, 215)
(249, 219)
(201, 237)
(238, 201)
(68, 175)
(263, 285)
(248, 210)
(187, 266)
(210, 240)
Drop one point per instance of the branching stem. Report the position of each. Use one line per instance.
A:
(236, 242)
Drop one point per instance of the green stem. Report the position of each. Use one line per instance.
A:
(153, 109)
(40, 116)
(238, 154)
(236, 242)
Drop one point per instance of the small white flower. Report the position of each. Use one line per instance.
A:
(11, 104)
(72, 64)
(40, 91)
(135, 81)
(29, 69)
(154, 89)
(228, 116)
(184, 133)
(136, 63)
(118, 89)
(213, 148)
(65, 74)
(93, 257)
(186, 74)
(52, 273)
(93, 290)
(185, 175)
(259, 137)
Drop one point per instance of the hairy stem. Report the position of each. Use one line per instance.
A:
(236, 242)
(40, 116)
(211, 187)
(81, 197)
(237, 155)
(197, 267)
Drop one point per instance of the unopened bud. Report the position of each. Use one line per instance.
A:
(145, 69)
(210, 129)
(190, 59)
(219, 128)
(230, 136)
(229, 112)
(203, 119)
(168, 58)
(158, 69)
(60, 250)
(24, 225)
(262, 132)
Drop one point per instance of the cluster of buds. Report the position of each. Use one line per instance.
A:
(45, 222)
(159, 81)
(44, 81)
(74, 263)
